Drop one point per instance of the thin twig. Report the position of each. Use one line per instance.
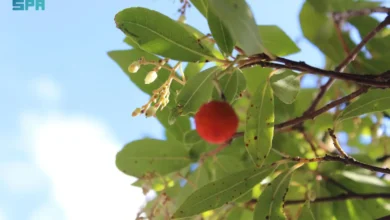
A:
(334, 182)
(341, 197)
(369, 80)
(361, 12)
(327, 107)
(336, 143)
(364, 41)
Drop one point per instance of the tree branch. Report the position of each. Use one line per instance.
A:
(369, 80)
(327, 107)
(344, 160)
(341, 197)
(338, 16)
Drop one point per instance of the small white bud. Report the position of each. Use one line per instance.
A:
(182, 19)
(134, 67)
(152, 75)
(151, 111)
(136, 112)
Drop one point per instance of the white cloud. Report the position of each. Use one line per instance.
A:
(78, 155)
(21, 177)
(2, 215)
(46, 89)
(47, 211)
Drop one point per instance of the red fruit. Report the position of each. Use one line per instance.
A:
(216, 122)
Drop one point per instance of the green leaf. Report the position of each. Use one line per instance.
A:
(131, 42)
(277, 41)
(306, 213)
(319, 29)
(286, 85)
(259, 129)
(201, 5)
(225, 165)
(152, 156)
(373, 101)
(222, 191)
(159, 34)
(192, 137)
(239, 20)
(322, 210)
(196, 91)
(254, 77)
(203, 40)
(178, 129)
(220, 33)
(192, 69)
(239, 213)
(196, 180)
(269, 204)
(232, 85)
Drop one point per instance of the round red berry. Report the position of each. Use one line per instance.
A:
(216, 122)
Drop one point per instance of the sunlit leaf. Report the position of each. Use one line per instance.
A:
(269, 204)
(196, 91)
(220, 33)
(222, 191)
(239, 20)
(260, 123)
(306, 213)
(285, 85)
(373, 101)
(159, 34)
(192, 69)
(152, 156)
(201, 5)
(277, 41)
(232, 85)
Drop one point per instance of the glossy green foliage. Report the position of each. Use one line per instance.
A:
(249, 177)
(159, 34)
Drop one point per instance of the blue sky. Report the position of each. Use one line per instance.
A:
(67, 106)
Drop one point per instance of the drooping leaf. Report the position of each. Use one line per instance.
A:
(306, 213)
(159, 34)
(373, 101)
(220, 33)
(222, 191)
(152, 156)
(231, 84)
(239, 20)
(269, 204)
(192, 137)
(196, 91)
(285, 85)
(277, 41)
(260, 123)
